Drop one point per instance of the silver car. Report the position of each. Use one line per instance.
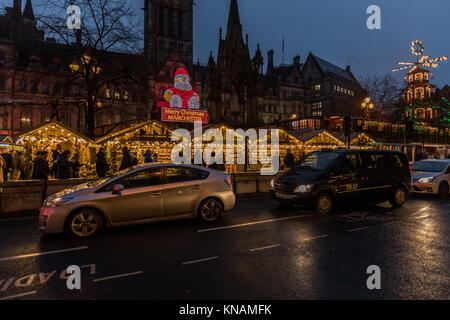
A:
(431, 176)
(141, 194)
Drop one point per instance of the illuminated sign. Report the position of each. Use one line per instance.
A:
(183, 115)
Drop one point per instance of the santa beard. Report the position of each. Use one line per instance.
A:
(183, 86)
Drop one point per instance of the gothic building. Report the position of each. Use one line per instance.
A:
(238, 90)
(168, 45)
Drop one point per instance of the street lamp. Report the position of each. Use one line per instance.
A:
(367, 105)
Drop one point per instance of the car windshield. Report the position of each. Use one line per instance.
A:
(429, 166)
(317, 160)
(101, 180)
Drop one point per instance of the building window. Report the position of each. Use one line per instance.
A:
(180, 23)
(108, 93)
(23, 85)
(46, 87)
(125, 95)
(2, 58)
(161, 20)
(117, 94)
(34, 87)
(2, 83)
(317, 87)
(170, 21)
(26, 119)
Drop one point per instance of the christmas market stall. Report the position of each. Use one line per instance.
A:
(7, 144)
(149, 135)
(358, 140)
(55, 137)
(316, 140)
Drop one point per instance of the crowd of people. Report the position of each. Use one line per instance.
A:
(12, 165)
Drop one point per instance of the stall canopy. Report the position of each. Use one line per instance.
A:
(316, 140)
(6, 142)
(149, 135)
(358, 140)
(47, 136)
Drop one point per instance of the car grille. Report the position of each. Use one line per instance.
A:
(284, 188)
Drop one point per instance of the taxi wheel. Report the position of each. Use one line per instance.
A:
(210, 210)
(398, 197)
(84, 223)
(324, 203)
(443, 190)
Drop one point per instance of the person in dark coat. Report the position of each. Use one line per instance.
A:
(41, 169)
(63, 166)
(8, 167)
(75, 165)
(148, 156)
(289, 159)
(101, 165)
(134, 161)
(126, 159)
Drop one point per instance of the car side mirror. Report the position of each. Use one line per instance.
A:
(118, 188)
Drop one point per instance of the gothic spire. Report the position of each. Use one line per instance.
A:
(234, 27)
(28, 11)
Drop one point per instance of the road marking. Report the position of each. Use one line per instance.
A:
(266, 247)
(357, 229)
(252, 223)
(317, 237)
(42, 253)
(118, 276)
(199, 260)
(418, 211)
(18, 295)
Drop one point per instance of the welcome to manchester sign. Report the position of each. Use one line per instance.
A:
(183, 115)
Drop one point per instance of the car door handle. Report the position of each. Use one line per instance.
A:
(196, 187)
(154, 194)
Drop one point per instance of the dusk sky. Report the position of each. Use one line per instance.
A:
(333, 30)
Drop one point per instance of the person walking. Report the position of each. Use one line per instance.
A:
(2, 167)
(75, 165)
(148, 156)
(7, 157)
(41, 169)
(126, 159)
(17, 165)
(155, 157)
(63, 166)
(133, 160)
(101, 165)
(289, 159)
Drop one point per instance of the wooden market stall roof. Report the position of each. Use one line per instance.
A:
(152, 128)
(356, 138)
(63, 132)
(4, 138)
(317, 138)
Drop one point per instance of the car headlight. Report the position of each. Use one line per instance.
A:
(303, 188)
(426, 180)
(272, 184)
(57, 201)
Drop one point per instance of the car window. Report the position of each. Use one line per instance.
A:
(350, 161)
(183, 174)
(397, 162)
(375, 161)
(143, 178)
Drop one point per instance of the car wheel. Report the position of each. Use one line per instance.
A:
(443, 190)
(210, 210)
(398, 197)
(84, 223)
(324, 203)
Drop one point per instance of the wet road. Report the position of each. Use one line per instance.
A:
(258, 251)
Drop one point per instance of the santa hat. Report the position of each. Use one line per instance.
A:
(182, 72)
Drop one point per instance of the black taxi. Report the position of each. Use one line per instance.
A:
(326, 177)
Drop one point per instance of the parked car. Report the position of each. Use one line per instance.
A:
(324, 178)
(432, 177)
(141, 194)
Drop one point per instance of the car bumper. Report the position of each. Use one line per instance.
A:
(298, 198)
(51, 220)
(426, 188)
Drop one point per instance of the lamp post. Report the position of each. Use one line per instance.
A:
(367, 105)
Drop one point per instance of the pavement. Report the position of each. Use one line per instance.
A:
(258, 251)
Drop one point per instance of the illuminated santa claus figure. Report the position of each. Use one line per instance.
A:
(182, 95)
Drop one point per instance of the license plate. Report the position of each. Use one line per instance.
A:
(284, 196)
